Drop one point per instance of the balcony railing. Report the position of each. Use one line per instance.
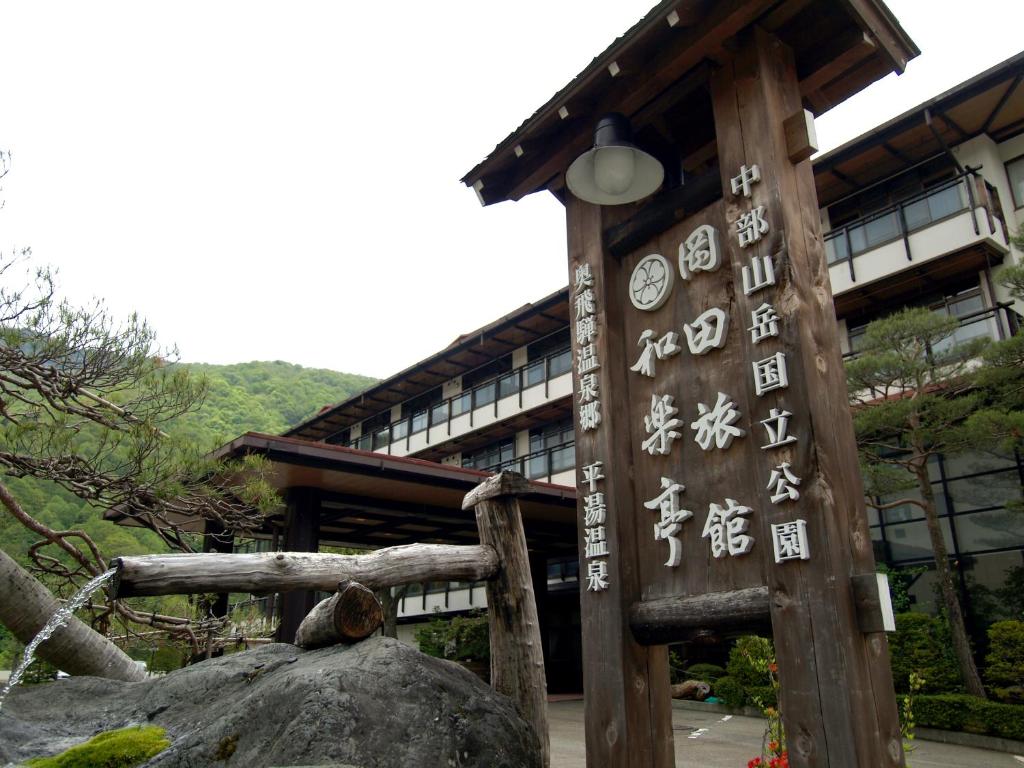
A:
(486, 393)
(541, 465)
(996, 323)
(897, 222)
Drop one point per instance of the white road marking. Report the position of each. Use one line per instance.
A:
(726, 719)
(698, 733)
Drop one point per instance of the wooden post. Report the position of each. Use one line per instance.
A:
(301, 535)
(837, 698)
(351, 614)
(517, 661)
(627, 701)
(218, 540)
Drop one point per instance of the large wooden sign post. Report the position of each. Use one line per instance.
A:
(724, 455)
(717, 467)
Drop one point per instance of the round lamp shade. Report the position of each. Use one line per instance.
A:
(615, 171)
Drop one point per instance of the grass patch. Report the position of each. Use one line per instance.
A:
(123, 748)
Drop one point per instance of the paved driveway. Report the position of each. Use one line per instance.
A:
(708, 740)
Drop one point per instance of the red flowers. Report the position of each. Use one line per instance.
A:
(782, 761)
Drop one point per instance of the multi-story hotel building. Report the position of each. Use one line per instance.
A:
(916, 212)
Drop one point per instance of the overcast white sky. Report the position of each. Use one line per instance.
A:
(280, 181)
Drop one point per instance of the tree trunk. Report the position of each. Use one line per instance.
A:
(390, 598)
(351, 615)
(26, 606)
(958, 631)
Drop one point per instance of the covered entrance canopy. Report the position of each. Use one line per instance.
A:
(363, 499)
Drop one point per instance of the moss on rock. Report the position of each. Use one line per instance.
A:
(123, 748)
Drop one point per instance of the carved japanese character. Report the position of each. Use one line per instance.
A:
(597, 575)
(585, 304)
(661, 425)
(760, 274)
(586, 359)
(672, 517)
(782, 484)
(584, 277)
(789, 541)
(588, 387)
(596, 543)
(586, 330)
(770, 374)
(776, 425)
(765, 323)
(707, 332)
(590, 415)
(726, 529)
(751, 226)
(717, 425)
(741, 184)
(661, 349)
(699, 252)
(592, 473)
(594, 509)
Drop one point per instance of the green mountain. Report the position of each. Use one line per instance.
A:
(259, 397)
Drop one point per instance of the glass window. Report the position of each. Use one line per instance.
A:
(559, 363)
(534, 374)
(419, 422)
(973, 463)
(381, 439)
(984, 491)
(874, 232)
(910, 541)
(508, 385)
(439, 414)
(461, 403)
(365, 443)
(1015, 173)
(564, 458)
(995, 529)
(484, 395)
(835, 247)
(906, 512)
(399, 429)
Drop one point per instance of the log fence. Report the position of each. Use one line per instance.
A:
(501, 560)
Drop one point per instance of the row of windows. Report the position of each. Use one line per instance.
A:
(971, 491)
(533, 374)
(890, 224)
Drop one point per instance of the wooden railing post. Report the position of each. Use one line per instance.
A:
(517, 659)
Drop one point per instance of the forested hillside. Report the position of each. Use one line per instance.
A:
(259, 396)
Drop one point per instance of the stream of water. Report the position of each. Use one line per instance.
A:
(58, 620)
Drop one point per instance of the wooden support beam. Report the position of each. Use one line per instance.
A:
(287, 571)
(667, 620)
(801, 138)
(517, 660)
(302, 534)
(863, 47)
(352, 614)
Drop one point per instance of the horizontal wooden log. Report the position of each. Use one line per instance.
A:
(350, 615)
(287, 571)
(665, 620)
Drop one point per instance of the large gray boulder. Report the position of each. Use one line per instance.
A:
(376, 704)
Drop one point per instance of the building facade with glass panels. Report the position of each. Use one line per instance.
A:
(917, 212)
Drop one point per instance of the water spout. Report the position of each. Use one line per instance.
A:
(58, 620)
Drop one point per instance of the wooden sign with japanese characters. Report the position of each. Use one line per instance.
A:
(715, 451)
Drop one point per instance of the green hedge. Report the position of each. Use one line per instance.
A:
(707, 673)
(921, 644)
(960, 712)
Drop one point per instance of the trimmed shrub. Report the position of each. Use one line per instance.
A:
(123, 748)
(749, 659)
(730, 691)
(921, 644)
(960, 712)
(707, 673)
(1004, 670)
(463, 638)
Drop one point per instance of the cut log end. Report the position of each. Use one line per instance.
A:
(352, 614)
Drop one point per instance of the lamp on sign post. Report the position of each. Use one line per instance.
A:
(614, 171)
